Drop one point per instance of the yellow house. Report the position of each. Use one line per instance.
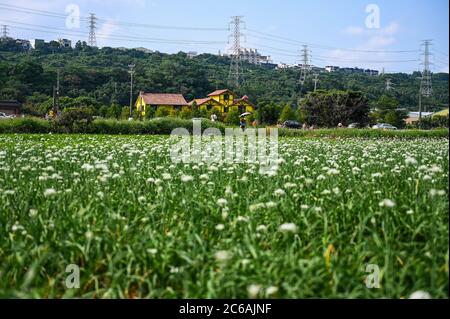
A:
(224, 101)
(159, 100)
(207, 104)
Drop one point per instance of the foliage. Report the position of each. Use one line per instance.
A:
(387, 111)
(101, 74)
(232, 117)
(76, 119)
(287, 114)
(329, 108)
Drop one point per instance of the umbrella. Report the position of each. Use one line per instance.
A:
(245, 114)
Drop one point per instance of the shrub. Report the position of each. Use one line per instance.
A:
(26, 125)
(76, 119)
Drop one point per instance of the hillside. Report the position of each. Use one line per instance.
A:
(102, 74)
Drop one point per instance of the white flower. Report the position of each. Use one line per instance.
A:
(141, 199)
(242, 219)
(375, 175)
(220, 226)
(420, 294)
(410, 161)
(261, 228)
(222, 202)
(386, 203)
(204, 177)
(186, 178)
(271, 204)
(253, 290)
(303, 206)
(290, 185)
(49, 192)
(288, 227)
(333, 171)
(87, 167)
(222, 256)
(409, 212)
(166, 176)
(33, 212)
(271, 290)
(279, 192)
(89, 234)
(152, 251)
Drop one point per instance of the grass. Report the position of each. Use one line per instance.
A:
(117, 207)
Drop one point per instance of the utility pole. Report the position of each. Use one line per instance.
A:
(92, 24)
(131, 71)
(235, 74)
(316, 79)
(4, 32)
(57, 89)
(388, 84)
(425, 83)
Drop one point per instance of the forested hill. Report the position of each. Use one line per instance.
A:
(102, 74)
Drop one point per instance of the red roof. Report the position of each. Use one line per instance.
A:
(200, 101)
(218, 92)
(163, 99)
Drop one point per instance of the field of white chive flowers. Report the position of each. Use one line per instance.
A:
(139, 226)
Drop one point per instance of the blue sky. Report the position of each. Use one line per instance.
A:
(336, 31)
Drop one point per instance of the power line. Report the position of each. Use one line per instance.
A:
(295, 42)
(106, 21)
(113, 37)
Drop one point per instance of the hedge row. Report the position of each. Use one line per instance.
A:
(153, 126)
(365, 133)
(166, 125)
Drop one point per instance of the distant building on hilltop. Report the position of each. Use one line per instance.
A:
(331, 68)
(65, 43)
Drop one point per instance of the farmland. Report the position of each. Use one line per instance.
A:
(139, 226)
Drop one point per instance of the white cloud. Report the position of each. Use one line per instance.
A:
(105, 31)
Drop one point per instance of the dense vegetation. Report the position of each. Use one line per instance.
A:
(99, 78)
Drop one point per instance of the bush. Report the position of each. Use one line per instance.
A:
(364, 133)
(76, 119)
(26, 125)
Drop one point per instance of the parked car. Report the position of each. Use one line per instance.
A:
(354, 125)
(384, 126)
(291, 124)
(4, 116)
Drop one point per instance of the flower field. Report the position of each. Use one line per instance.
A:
(139, 226)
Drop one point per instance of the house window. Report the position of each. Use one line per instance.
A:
(209, 107)
(226, 97)
(225, 109)
(241, 108)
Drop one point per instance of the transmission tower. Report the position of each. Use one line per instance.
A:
(131, 71)
(305, 67)
(4, 32)
(92, 23)
(425, 83)
(235, 74)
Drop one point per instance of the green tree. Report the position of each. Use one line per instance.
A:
(387, 111)
(287, 114)
(329, 108)
(232, 117)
